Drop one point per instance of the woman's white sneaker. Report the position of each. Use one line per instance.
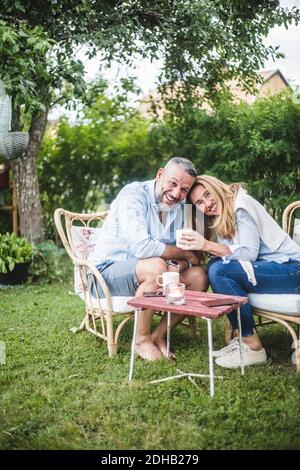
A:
(232, 360)
(233, 344)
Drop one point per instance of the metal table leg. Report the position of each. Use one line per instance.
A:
(240, 341)
(210, 358)
(189, 375)
(168, 332)
(136, 313)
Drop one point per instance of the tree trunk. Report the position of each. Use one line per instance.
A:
(27, 186)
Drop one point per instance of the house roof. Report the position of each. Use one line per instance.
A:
(267, 74)
(266, 88)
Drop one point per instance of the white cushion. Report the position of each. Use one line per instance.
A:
(119, 303)
(286, 304)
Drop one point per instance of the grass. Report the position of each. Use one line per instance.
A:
(61, 391)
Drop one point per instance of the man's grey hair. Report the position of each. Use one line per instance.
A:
(184, 163)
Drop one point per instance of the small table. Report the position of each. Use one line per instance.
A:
(194, 306)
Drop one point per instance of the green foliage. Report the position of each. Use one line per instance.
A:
(23, 52)
(85, 164)
(202, 42)
(89, 162)
(50, 264)
(257, 144)
(13, 250)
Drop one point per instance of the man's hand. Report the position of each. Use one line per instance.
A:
(192, 257)
(182, 266)
(173, 252)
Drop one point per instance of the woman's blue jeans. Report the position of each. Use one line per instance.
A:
(271, 277)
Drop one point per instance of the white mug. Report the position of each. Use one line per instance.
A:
(179, 234)
(167, 278)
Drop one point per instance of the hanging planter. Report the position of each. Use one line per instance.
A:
(13, 144)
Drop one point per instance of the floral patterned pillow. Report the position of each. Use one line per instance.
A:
(85, 240)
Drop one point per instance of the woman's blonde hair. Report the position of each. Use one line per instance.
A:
(223, 224)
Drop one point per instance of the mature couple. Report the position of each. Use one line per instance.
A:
(251, 253)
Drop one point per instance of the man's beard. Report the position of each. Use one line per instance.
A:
(162, 206)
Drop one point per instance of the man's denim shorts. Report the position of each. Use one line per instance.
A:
(120, 277)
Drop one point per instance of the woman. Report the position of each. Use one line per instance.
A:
(252, 254)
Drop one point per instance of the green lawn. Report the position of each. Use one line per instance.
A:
(61, 391)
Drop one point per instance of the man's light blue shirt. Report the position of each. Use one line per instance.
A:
(133, 229)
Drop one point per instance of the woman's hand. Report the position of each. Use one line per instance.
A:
(191, 240)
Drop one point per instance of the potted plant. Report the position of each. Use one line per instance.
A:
(15, 257)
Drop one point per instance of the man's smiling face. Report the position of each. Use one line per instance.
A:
(172, 185)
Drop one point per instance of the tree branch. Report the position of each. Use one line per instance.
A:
(61, 98)
(157, 17)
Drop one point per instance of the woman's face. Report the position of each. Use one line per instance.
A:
(204, 201)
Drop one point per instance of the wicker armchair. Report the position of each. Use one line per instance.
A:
(280, 308)
(79, 233)
(99, 313)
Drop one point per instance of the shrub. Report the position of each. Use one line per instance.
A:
(50, 264)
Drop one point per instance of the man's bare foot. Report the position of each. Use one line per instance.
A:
(162, 346)
(171, 356)
(147, 350)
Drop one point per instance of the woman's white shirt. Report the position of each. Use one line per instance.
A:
(251, 247)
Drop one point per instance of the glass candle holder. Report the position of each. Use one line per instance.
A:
(175, 293)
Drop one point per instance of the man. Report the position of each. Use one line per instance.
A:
(138, 239)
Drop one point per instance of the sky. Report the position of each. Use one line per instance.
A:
(146, 72)
(289, 42)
